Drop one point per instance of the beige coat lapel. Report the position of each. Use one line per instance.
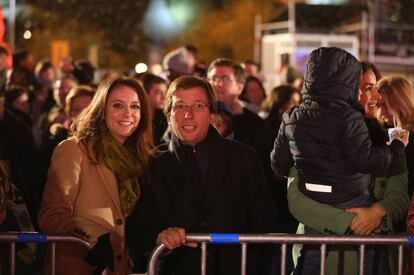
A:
(109, 180)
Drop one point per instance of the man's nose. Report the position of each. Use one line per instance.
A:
(189, 113)
(219, 83)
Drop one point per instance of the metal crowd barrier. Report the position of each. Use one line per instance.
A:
(14, 238)
(284, 240)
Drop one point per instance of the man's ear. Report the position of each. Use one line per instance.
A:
(240, 87)
(212, 118)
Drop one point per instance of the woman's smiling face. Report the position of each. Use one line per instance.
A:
(369, 94)
(122, 112)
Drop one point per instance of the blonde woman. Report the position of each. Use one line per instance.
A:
(398, 96)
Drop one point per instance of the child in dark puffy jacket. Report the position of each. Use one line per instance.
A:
(328, 142)
(326, 137)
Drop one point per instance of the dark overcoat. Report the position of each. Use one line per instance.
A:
(232, 197)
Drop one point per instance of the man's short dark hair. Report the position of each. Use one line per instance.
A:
(84, 72)
(12, 93)
(42, 67)
(19, 57)
(192, 49)
(251, 62)
(188, 82)
(149, 79)
(239, 73)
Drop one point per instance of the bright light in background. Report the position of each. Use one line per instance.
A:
(141, 68)
(327, 2)
(27, 34)
(156, 69)
(163, 20)
(158, 21)
(182, 13)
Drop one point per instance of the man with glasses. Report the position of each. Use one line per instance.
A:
(227, 78)
(201, 183)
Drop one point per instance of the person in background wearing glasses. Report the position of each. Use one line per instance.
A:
(201, 183)
(227, 78)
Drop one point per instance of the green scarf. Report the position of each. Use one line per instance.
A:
(120, 160)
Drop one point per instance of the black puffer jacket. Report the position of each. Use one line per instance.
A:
(326, 137)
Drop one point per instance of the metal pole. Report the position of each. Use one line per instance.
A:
(292, 15)
(243, 260)
(257, 37)
(53, 253)
(12, 258)
(400, 259)
(371, 30)
(283, 260)
(203, 258)
(152, 263)
(364, 35)
(323, 258)
(361, 258)
(285, 239)
(12, 24)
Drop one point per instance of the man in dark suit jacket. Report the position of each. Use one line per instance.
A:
(201, 183)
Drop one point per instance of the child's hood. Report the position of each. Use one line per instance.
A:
(332, 75)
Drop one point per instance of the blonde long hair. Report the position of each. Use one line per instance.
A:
(399, 96)
(88, 125)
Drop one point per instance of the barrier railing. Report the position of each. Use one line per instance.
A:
(14, 238)
(284, 240)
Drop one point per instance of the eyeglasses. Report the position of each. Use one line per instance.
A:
(196, 107)
(223, 79)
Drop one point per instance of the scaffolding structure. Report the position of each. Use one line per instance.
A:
(389, 45)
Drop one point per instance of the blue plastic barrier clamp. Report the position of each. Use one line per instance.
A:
(224, 238)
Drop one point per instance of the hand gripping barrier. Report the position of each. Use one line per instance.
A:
(34, 237)
(284, 240)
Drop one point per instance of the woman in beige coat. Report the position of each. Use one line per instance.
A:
(93, 181)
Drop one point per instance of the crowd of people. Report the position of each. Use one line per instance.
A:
(141, 159)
